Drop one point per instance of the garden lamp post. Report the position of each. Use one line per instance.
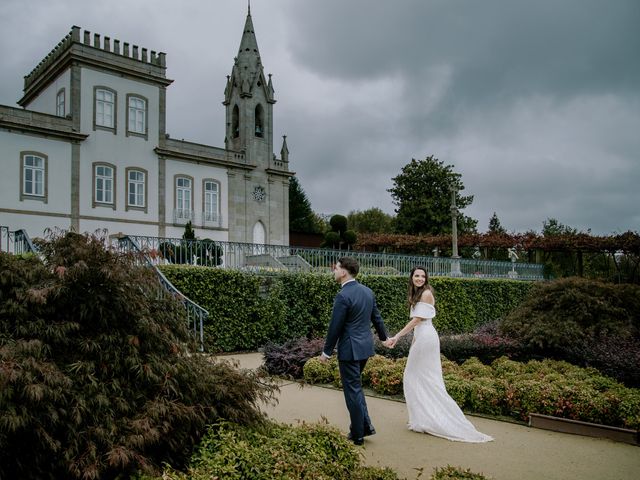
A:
(455, 258)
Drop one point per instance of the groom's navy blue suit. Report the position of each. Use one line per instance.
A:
(354, 310)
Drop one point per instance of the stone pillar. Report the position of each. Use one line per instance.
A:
(75, 187)
(162, 196)
(162, 116)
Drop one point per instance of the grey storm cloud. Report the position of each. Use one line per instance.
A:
(536, 104)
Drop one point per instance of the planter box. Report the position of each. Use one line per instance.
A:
(577, 427)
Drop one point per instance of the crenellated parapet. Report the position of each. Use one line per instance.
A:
(97, 50)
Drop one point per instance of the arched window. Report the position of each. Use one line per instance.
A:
(259, 121)
(235, 122)
(33, 176)
(105, 108)
(211, 200)
(136, 189)
(60, 103)
(183, 211)
(258, 233)
(104, 185)
(137, 108)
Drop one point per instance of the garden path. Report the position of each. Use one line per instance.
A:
(518, 452)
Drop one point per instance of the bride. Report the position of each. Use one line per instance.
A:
(431, 409)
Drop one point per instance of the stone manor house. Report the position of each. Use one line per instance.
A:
(89, 150)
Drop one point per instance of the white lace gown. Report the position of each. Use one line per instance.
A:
(431, 409)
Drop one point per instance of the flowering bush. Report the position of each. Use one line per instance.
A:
(385, 377)
(506, 387)
(315, 371)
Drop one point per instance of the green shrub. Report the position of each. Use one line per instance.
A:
(515, 389)
(272, 450)
(98, 376)
(315, 371)
(386, 377)
(459, 388)
(563, 313)
(456, 473)
(374, 363)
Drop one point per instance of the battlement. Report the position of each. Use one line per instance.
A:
(104, 44)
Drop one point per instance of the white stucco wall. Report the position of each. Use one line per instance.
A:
(198, 172)
(45, 102)
(121, 151)
(34, 214)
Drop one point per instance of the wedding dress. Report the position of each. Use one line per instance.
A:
(431, 409)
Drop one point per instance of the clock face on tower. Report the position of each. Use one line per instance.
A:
(259, 194)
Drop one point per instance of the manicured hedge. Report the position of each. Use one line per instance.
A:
(248, 310)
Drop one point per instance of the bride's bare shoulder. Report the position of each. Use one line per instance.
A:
(427, 297)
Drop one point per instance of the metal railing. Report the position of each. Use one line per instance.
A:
(196, 315)
(272, 258)
(16, 242)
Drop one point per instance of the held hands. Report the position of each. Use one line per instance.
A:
(390, 342)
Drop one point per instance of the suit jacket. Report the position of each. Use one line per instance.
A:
(354, 310)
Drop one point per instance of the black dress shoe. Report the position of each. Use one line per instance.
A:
(357, 441)
(367, 433)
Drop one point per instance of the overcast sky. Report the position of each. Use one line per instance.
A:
(535, 103)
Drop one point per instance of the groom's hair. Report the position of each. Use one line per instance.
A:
(350, 265)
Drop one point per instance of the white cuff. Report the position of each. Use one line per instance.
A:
(325, 355)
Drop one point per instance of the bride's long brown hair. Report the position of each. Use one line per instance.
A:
(414, 293)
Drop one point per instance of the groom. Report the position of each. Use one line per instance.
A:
(354, 309)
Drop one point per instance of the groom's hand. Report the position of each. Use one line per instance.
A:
(390, 342)
(323, 358)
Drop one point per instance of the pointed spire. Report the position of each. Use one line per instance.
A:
(247, 69)
(284, 151)
(270, 87)
(248, 44)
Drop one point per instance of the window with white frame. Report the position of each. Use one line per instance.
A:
(60, 103)
(33, 175)
(137, 115)
(136, 191)
(103, 185)
(211, 201)
(183, 198)
(105, 108)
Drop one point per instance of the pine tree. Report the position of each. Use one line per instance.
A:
(302, 219)
(494, 225)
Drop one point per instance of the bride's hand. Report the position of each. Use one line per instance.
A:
(390, 342)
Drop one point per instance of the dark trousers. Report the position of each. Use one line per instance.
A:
(351, 376)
